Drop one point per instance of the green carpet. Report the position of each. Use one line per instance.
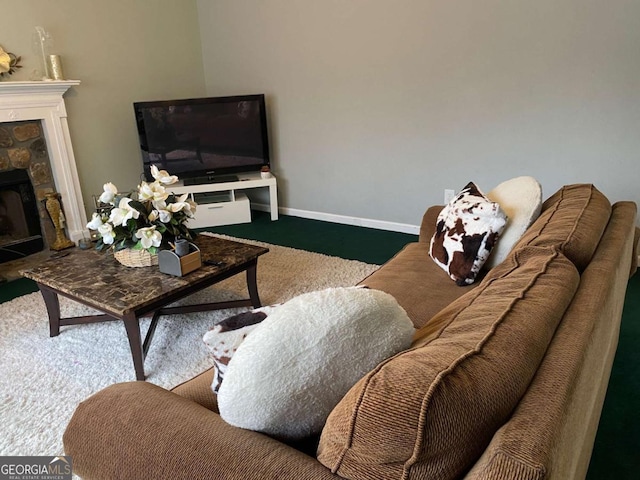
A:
(615, 454)
(355, 243)
(16, 288)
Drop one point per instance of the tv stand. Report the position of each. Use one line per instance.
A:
(224, 203)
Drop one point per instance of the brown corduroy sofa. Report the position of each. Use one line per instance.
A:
(505, 378)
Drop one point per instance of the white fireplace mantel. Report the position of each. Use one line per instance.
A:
(43, 100)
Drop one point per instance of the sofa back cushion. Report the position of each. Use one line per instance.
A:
(429, 412)
(572, 219)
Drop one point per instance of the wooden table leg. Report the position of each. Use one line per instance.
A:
(53, 309)
(252, 285)
(149, 336)
(132, 325)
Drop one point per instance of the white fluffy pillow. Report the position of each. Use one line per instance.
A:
(294, 368)
(521, 200)
(224, 338)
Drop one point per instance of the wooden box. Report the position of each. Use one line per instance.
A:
(172, 264)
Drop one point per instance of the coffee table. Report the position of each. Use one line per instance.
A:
(97, 279)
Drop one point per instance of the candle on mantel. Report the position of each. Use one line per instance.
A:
(56, 67)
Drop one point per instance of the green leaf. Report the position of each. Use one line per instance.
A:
(132, 225)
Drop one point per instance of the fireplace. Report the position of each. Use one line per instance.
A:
(38, 109)
(20, 231)
(25, 175)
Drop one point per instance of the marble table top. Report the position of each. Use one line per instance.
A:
(97, 279)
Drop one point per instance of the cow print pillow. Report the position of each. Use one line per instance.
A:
(466, 231)
(226, 336)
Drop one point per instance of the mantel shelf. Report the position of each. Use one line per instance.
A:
(38, 87)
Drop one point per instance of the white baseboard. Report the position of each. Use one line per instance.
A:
(343, 219)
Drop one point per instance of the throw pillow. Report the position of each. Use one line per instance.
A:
(287, 376)
(521, 200)
(466, 231)
(226, 336)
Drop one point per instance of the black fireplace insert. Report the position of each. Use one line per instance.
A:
(20, 232)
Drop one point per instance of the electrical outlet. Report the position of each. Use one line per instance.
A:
(448, 195)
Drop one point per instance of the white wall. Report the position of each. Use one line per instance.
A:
(122, 51)
(377, 106)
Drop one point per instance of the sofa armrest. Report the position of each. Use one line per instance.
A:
(428, 225)
(635, 252)
(139, 430)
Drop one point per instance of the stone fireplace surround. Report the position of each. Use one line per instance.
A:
(43, 101)
(24, 159)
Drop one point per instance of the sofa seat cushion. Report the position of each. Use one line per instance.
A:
(291, 371)
(407, 269)
(573, 219)
(429, 412)
(198, 390)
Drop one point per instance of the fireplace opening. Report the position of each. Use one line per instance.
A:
(20, 232)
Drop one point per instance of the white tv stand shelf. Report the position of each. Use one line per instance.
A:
(223, 203)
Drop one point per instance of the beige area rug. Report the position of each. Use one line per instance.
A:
(43, 379)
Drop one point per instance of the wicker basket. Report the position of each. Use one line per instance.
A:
(136, 258)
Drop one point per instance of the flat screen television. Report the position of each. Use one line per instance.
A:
(203, 139)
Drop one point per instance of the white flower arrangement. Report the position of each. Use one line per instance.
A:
(150, 221)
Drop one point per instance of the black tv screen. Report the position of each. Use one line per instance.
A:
(203, 137)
